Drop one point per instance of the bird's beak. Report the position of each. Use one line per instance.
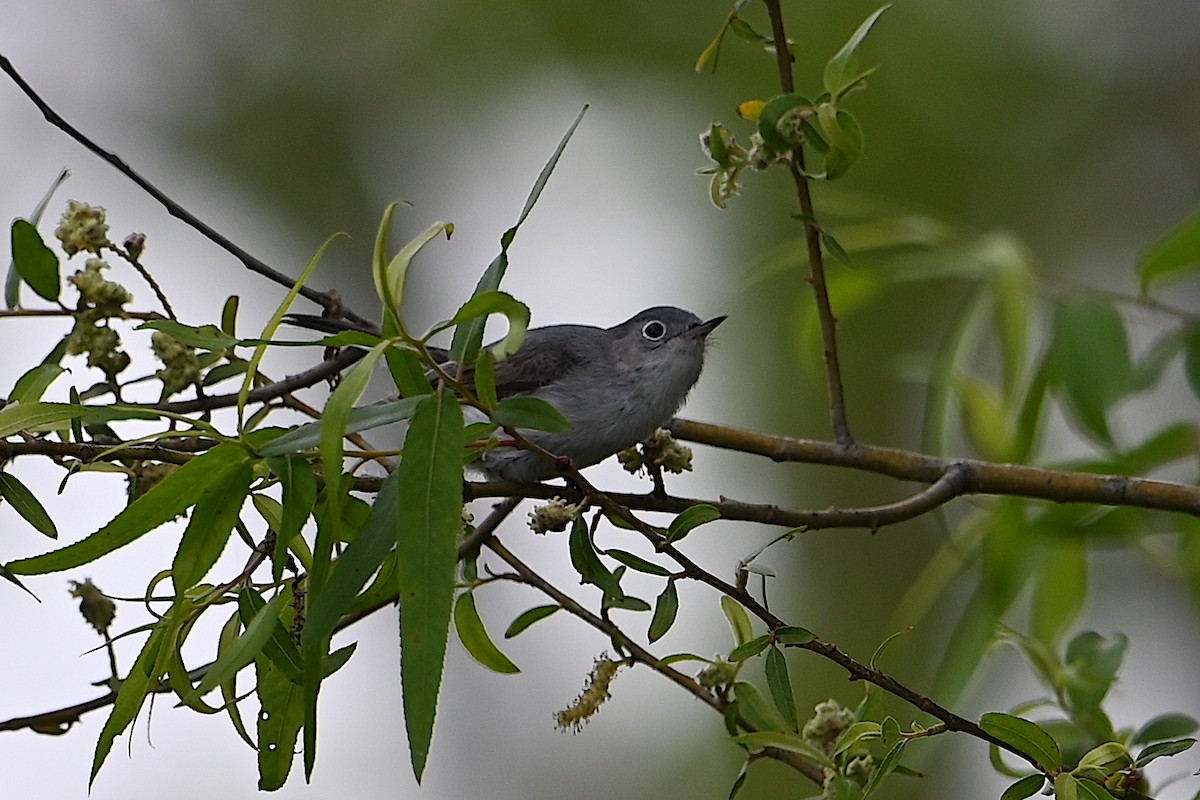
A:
(705, 328)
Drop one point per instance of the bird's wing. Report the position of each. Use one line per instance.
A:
(530, 368)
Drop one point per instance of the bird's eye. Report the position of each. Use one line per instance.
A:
(654, 330)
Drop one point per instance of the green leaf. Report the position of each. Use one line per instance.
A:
(489, 302)
(739, 620)
(25, 503)
(1191, 360)
(166, 500)
(772, 113)
(794, 635)
(750, 648)
(1103, 760)
(130, 697)
(889, 764)
(1089, 359)
(279, 723)
(1093, 662)
(1026, 736)
(1026, 787)
(589, 566)
(244, 650)
(202, 337)
(780, 686)
(229, 692)
(756, 710)
(218, 505)
(363, 418)
(1086, 790)
(469, 337)
(524, 411)
(299, 498)
(33, 384)
(842, 788)
(636, 562)
(842, 73)
(1060, 591)
(666, 607)
(855, 734)
(1166, 726)
(428, 522)
(1178, 253)
(361, 558)
(784, 740)
(528, 618)
(34, 261)
(744, 772)
(12, 281)
(1161, 749)
(390, 275)
(280, 648)
(475, 638)
(691, 518)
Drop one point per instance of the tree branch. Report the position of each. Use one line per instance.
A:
(328, 300)
(812, 239)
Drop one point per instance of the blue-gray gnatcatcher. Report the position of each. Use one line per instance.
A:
(616, 385)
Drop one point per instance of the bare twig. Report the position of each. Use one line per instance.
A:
(812, 238)
(328, 300)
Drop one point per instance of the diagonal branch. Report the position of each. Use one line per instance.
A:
(328, 300)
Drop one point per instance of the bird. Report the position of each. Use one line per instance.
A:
(615, 385)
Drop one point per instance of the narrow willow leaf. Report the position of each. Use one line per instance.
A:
(1026, 736)
(1162, 728)
(474, 637)
(780, 686)
(1060, 590)
(858, 732)
(524, 411)
(34, 261)
(390, 275)
(756, 710)
(279, 722)
(1177, 254)
(166, 500)
(229, 692)
(362, 418)
(889, 764)
(784, 740)
(428, 520)
(1089, 358)
(361, 558)
(751, 648)
(636, 562)
(299, 498)
(1026, 787)
(744, 772)
(129, 700)
(691, 518)
(1162, 749)
(33, 384)
(12, 281)
(528, 618)
(25, 503)
(739, 620)
(202, 337)
(842, 72)
(794, 635)
(484, 304)
(245, 649)
(218, 505)
(589, 566)
(666, 607)
(280, 648)
(469, 337)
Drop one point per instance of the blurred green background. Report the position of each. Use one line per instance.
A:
(1071, 128)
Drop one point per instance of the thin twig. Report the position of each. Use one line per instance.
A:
(328, 300)
(812, 238)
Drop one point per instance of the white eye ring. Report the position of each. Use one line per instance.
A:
(654, 330)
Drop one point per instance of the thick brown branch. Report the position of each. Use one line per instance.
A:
(978, 477)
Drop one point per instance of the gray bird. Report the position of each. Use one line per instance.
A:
(616, 385)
